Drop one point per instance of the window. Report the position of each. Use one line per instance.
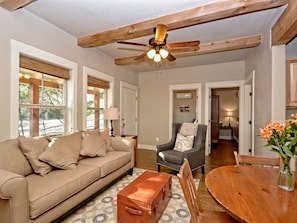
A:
(96, 102)
(42, 98)
(50, 64)
(96, 86)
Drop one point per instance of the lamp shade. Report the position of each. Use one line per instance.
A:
(111, 113)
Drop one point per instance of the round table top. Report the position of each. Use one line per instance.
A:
(251, 194)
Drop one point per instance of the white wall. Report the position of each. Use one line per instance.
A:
(24, 27)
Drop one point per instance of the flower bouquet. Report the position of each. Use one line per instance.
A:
(282, 138)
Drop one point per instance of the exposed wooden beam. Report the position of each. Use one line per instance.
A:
(215, 47)
(285, 29)
(12, 5)
(215, 11)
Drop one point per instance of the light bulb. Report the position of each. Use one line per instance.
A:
(157, 58)
(164, 53)
(151, 53)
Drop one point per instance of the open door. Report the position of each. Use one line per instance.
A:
(249, 114)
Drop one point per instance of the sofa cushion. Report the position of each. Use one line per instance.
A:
(63, 152)
(183, 143)
(32, 147)
(109, 163)
(93, 145)
(47, 192)
(105, 134)
(13, 159)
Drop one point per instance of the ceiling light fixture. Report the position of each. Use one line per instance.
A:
(157, 54)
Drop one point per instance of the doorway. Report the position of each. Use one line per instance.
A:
(224, 115)
(128, 109)
(226, 84)
(183, 88)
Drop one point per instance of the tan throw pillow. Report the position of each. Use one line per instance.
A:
(32, 147)
(188, 129)
(105, 135)
(183, 143)
(93, 145)
(63, 152)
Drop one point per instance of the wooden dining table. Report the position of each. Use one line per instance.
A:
(251, 194)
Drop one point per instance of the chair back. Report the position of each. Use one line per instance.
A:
(190, 191)
(256, 160)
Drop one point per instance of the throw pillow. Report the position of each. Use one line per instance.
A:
(93, 145)
(188, 129)
(32, 147)
(107, 138)
(63, 152)
(183, 143)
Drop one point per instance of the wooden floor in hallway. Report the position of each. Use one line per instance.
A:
(221, 154)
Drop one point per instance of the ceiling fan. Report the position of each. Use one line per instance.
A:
(158, 47)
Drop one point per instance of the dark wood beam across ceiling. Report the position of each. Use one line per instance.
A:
(211, 12)
(285, 29)
(12, 5)
(234, 44)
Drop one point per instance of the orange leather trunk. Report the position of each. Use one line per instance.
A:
(145, 199)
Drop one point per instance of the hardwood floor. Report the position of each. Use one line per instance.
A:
(221, 155)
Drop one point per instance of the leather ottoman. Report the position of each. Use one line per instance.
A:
(145, 199)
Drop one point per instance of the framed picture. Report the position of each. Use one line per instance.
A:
(184, 108)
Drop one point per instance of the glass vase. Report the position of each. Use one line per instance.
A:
(285, 177)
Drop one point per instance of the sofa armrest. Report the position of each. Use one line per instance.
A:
(122, 144)
(14, 189)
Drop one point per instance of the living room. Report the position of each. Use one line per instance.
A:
(24, 33)
(28, 29)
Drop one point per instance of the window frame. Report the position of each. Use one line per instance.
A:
(110, 92)
(17, 49)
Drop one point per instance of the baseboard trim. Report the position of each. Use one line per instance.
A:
(149, 147)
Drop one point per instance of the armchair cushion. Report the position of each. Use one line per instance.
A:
(183, 143)
(172, 156)
(188, 129)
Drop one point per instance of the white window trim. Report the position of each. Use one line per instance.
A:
(110, 92)
(18, 48)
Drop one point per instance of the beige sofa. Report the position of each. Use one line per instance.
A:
(41, 179)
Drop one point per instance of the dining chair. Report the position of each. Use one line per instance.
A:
(198, 214)
(257, 160)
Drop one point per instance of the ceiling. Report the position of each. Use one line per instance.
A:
(85, 17)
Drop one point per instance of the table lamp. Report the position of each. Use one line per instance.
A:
(111, 114)
(229, 115)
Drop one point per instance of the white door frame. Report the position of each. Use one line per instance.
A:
(224, 84)
(173, 88)
(250, 80)
(135, 88)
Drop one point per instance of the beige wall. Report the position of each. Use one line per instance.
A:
(229, 101)
(154, 95)
(29, 29)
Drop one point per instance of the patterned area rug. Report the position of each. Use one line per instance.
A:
(103, 208)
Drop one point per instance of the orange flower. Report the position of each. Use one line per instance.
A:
(278, 127)
(265, 133)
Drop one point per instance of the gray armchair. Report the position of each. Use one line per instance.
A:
(173, 159)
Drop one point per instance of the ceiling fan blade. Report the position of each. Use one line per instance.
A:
(161, 31)
(132, 43)
(170, 57)
(183, 44)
